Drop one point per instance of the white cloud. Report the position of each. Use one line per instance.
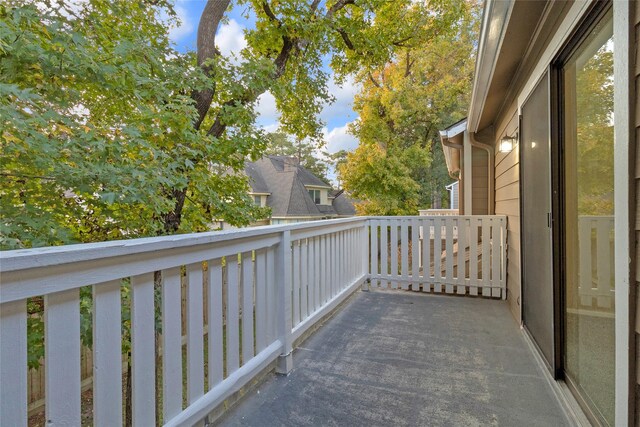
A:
(338, 139)
(270, 128)
(183, 27)
(268, 115)
(230, 38)
(342, 107)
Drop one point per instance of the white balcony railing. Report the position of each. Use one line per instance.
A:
(438, 212)
(451, 254)
(248, 294)
(596, 288)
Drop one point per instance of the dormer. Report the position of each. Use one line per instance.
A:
(319, 194)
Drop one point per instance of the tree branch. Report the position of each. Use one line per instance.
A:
(216, 130)
(315, 5)
(345, 38)
(373, 80)
(400, 43)
(270, 14)
(206, 50)
(337, 6)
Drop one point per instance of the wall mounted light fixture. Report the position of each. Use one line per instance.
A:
(506, 144)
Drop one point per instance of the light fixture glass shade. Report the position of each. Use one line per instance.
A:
(506, 144)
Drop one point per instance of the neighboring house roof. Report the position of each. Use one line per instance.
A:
(258, 184)
(343, 205)
(286, 182)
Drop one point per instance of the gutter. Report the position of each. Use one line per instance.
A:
(491, 170)
(451, 168)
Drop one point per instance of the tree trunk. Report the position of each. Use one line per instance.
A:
(206, 51)
(436, 200)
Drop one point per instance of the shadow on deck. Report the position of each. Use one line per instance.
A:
(401, 358)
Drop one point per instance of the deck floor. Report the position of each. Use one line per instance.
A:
(393, 358)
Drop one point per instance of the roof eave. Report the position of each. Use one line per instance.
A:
(492, 34)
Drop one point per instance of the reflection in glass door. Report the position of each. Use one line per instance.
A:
(587, 89)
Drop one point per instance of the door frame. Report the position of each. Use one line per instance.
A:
(594, 14)
(552, 365)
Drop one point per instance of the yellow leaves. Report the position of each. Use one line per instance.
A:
(10, 138)
(63, 129)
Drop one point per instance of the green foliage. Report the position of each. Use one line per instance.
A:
(382, 179)
(402, 107)
(97, 127)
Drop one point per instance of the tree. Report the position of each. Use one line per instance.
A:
(108, 132)
(402, 105)
(97, 126)
(279, 144)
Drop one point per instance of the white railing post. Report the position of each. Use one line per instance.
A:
(284, 286)
(364, 243)
(62, 357)
(13, 363)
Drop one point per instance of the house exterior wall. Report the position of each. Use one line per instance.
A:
(479, 181)
(453, 195)
(461, 205)
(545, 45)
(507, 202)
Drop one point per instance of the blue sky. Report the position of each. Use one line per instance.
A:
(230, 39)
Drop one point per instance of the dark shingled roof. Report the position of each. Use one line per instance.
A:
(343, 205)
(286, 180)
(258, 185)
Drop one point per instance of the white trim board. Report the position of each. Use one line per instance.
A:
(623, 38)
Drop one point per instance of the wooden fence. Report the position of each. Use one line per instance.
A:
(451, 254)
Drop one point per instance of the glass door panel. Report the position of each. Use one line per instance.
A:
(587, 82)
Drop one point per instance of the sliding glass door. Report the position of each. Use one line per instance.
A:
(586, 84)
(535, 175)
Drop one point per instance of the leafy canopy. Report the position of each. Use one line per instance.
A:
(108, 132)
(398, 166)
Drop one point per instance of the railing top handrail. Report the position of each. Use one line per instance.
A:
(441, 217)
(21, 259)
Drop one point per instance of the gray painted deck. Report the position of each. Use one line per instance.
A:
(393, 358)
